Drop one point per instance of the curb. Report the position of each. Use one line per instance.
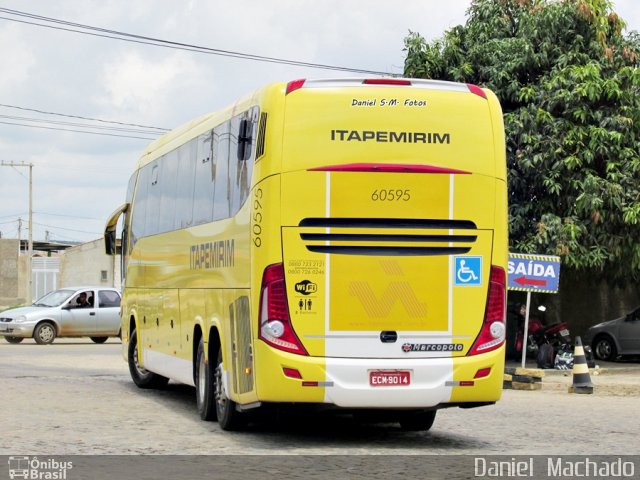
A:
(624, 381)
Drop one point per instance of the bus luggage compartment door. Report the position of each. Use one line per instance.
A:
(346, 304)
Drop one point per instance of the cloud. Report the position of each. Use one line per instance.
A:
(110, 79)
(18, 58)
(137, 84)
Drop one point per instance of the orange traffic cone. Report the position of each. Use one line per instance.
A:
(581, 378)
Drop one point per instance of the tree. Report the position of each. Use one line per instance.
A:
(568, 80)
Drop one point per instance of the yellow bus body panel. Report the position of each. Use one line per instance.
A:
(389, 265)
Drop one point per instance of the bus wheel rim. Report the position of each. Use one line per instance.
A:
(201, 379)
(221, 397)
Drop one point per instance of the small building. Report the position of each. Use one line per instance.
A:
(87, 264)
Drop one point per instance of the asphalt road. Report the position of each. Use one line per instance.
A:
(76, 397)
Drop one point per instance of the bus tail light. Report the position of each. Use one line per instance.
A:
(476, 90)
(275, 324)
(294, 85)
(492, 334)
(387, 81)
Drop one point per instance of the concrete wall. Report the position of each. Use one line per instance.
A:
(13, 268)
(87, 264)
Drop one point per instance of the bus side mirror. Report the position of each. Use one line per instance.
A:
(244, 140)
(110, 242)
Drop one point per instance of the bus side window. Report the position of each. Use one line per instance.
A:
(169, 173)
(241, 169)
(221, 145)
(153, 200)
(184, 188)
(203, 189)
(126, 242)
(140, 205)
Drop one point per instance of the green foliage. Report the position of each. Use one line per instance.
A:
(568, 81)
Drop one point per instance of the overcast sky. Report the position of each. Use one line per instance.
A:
(79, 179)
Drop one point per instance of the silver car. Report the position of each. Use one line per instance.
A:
(615, 338)
(69, 312)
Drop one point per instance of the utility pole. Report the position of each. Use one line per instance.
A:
(30, 250)
(19, 236)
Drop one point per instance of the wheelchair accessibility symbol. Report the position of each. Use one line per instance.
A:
(467, 271)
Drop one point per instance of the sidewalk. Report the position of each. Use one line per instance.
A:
(608, 378)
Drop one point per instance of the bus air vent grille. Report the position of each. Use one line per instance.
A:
(262, 128)
(388, 236)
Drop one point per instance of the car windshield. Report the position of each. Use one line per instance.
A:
(54, 299)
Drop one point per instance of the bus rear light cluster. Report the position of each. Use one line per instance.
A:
(294, 85)
(476, 90)
(482, 373)
(492, 334)
(292, 373)
(387, 81)
(275, 324)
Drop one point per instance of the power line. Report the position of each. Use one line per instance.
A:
(68, 216)
(66, 229)
(76, 131)
(19, 172)
(133, 38)
(76, 124)
(162, 129)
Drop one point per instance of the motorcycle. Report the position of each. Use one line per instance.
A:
(552, 340)
(543, 341)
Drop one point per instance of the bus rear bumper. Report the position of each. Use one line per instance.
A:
(359, 382)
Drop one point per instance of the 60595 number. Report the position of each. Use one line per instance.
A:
(391, 195)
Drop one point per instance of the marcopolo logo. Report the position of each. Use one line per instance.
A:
(37, 469)
(306, 287)
(432, 347)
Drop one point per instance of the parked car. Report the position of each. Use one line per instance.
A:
(615, 338)
(69, 312)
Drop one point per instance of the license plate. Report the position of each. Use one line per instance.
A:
(389, 379)
(564, 332)
(4, 328)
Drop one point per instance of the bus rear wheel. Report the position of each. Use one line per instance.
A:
(417, 421)
(140, 376)
(228, 417)
(205, 385)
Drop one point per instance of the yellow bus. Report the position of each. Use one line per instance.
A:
(324, 242)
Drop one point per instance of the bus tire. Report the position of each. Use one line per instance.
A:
(13, 339)
(228, 417)
(98, 339)
(417, 421)
(141, 377)
(205, 386)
